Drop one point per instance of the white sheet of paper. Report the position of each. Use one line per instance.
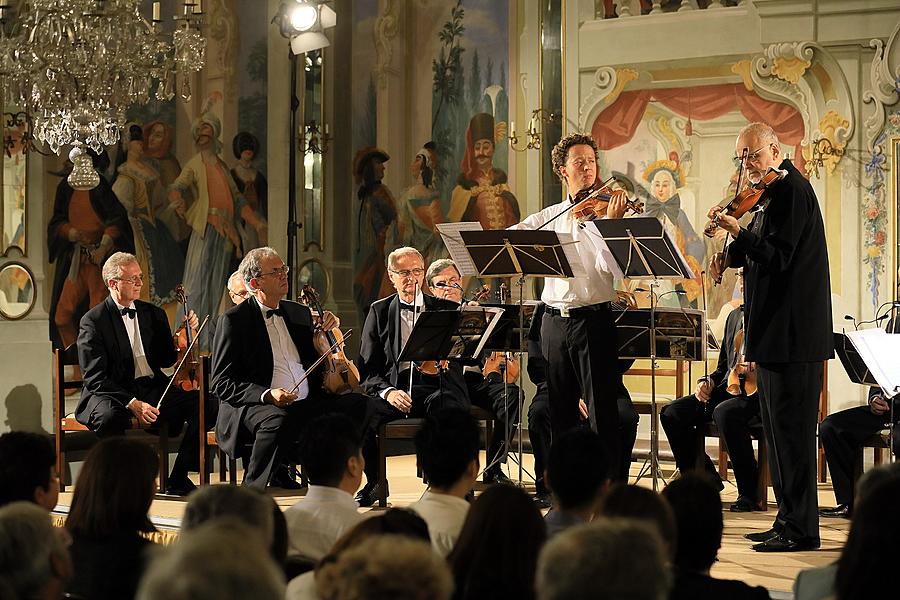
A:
(491, 312)
(879, 350)
(456, 247)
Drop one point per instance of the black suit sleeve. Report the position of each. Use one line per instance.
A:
(372, 359)
(229, 382)
(732, 325)
(95, 367)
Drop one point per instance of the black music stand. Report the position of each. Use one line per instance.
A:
(521, 253)
(642, 248)
(858, 372)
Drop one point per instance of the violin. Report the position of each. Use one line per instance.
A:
(745, 201)
(186, 378)
(502, 363)
(592, 202)
(741, 383)
(340, 375)
(433, 367)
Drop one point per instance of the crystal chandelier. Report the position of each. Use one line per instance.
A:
(76, 66)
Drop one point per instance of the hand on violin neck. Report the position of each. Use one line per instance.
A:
(717, 265)
(617, 204)
(329, 321)
(724, 221)
(192, 320)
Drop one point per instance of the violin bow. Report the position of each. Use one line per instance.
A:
(319, 360)
(187, 353)
(705, 341)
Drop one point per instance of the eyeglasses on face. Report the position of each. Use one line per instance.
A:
(134, 280)
(242, 294)
(751, 157)
(280, 272)
(408, 272)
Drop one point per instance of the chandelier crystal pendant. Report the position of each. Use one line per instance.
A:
(76, 66)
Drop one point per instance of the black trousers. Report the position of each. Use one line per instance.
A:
(503, 402)
(789, 403)
(581, 363)
(735, 418)
(275, 431)
(108, 418)
(539, 432)
(842, 435)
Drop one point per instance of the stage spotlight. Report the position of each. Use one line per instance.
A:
(304, 16)
(303, 22)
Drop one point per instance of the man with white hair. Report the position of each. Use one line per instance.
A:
(123, 345)
(261, 353)
(34, 560)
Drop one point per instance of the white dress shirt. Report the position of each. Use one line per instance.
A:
(597, 287)
(302, 587)
(287, 369)
(319, 519)
(407, 320)
(445, 515)
(141, 366)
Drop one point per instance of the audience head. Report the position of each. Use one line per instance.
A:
(635, 502)
(28, 469)
(609, 559)
(577, 468)
(34, 559)
(331, 451)
(216, 501)
(873, 543)
(114, 490)
(386, 567)
(447, 448)
(223, 559)
(496, 552)
(697, 508)
(875, 477)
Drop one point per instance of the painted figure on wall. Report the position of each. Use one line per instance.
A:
(139, 189)
(482, 192)
(250, 182)
(14, 178)
(158, 139)
(86, 227)
(420, 207)
(214, 218)
(378, 230)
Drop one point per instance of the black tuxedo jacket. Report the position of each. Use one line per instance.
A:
(242, 362)
(787, 292)
(380, 345)
(105, 356)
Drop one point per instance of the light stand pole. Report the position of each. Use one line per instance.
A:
(293, 226)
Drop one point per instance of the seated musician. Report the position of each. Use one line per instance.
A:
(386, 330)
(485, 381)
(262, 349)
(735, 416)
(843, 434)
(123, 345)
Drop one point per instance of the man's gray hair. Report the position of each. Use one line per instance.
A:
(113, 266)
(223, 559)
(438, 266)
(231, 278)
(28, 545)
(394, 256)
(762, 132)
(250, 267)
(604, 560)
(213, 501)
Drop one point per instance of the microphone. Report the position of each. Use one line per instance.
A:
(444, 284)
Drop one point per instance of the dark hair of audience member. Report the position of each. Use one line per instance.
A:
(26, 460)
(697, 508)
(328, 442)
(446, 445)
(872, 546)
(576, 468)
(632, 501)
(396, 521)
(279, 534)
(114, 490)
(496, 552)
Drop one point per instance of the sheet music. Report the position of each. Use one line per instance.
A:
(879, 351)
(568, 246)
(667, 224)
(607, 255)
(455, 246)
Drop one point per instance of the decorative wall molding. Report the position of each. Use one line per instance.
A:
(224, 30)
(885, 80)
(387, 26)
(788, 61)
(608, 84)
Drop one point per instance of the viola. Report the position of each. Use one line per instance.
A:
(741, 383)
(186, 377)
(340, 375)
(745, 200)
(502, 363)
(592, 203)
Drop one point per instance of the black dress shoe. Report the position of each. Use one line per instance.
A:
(179, 486)
(743, 504)
(782, 543)
(497, 476)
(762, 536)
(369, 494)
(281, 478)
(543, 500)
(841, 511)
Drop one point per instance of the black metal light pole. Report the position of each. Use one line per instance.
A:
(293, 226)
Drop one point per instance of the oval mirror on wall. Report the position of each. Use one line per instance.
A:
(17, 293)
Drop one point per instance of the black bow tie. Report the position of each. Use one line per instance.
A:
(274, 311)
(409, 307)
(130, 312)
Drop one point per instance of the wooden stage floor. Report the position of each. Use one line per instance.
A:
(775, 571)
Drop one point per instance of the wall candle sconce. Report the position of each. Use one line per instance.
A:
(533, 134)
(821, 149)
(313, 140)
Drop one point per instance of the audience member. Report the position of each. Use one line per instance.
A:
(28, 469)
(107, 517)
(223, 559)
(34, 562)
(635, 502)
(242, 502)
(331, 452)
(609, 559)
(496, 553)
(447, 448)
(697, 508)
(386, 567)
(577, 476)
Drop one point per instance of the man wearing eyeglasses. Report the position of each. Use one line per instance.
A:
(787, 302)
(388, 325)
(237, 293)
(123, 345)
(261, 353)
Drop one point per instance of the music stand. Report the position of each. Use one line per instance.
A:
(641, 247)
(521, 253)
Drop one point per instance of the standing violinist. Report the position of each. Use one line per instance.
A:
(123, 345)
(735, 412)
(788, 335)
(261, 353)
(578, 335)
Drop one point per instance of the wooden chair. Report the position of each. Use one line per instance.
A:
(641, 449)
(763, 480)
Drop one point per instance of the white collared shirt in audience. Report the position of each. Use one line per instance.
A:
(444, 515)
(318, 520)
(302, 587)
